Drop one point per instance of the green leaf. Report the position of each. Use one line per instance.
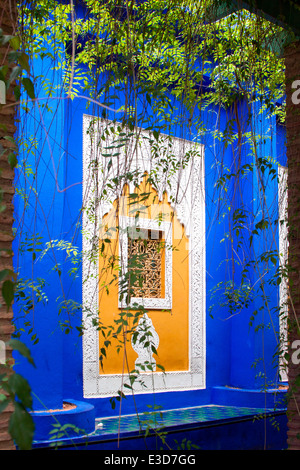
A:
(15, 42)
(156, 134)
(4, 273)
(3, 72)
(8, 292)
(21, 427)
(29, 87)
(17, 92)
(14, 74)
(297, 381)
(4, 401)
(17, 345)
(20, 387)
(113, 403)
(24, 61)
(128, 386)
(103, 351)
(12, 159)
(148, 98)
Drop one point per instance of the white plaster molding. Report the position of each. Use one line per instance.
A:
(185, 189)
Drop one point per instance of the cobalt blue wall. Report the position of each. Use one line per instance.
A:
(40, 216)
(232, 347)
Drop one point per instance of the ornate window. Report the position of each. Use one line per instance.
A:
(148, 252)
(153, 241)
(173, 296)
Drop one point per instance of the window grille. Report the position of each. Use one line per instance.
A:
(147, 253)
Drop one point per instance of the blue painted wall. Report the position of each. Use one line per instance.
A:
(232, 345)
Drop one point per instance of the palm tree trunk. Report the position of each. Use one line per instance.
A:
(7, 128)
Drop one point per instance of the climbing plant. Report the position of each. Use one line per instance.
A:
(144, 65)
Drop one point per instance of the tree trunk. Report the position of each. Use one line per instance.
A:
(7, 128)
(292, 61)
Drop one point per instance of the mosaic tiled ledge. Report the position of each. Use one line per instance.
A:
(178, 417)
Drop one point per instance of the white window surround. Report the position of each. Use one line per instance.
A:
(190, 210)
(165, 227)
